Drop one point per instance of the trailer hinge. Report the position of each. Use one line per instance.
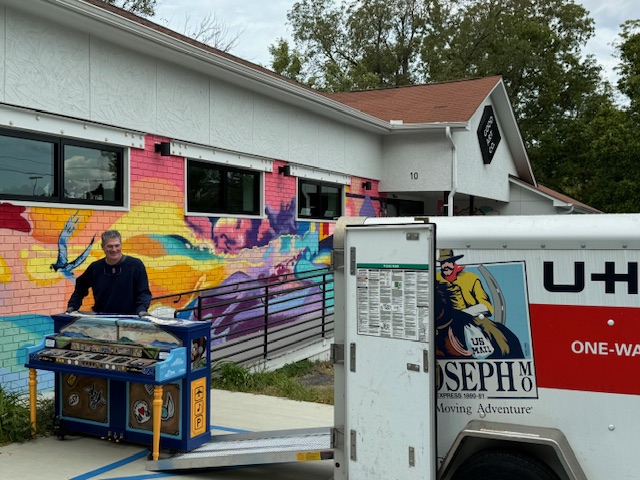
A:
(337, 353)
(412, 457)
(352, 357)
(352, 449)
(337, 259)
(352, 260)
(337, 438)
(425, 360)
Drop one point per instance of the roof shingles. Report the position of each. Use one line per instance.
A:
(431, 103)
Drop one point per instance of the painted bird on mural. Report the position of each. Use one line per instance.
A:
(63, 264)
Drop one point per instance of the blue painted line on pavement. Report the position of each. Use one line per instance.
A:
(227, 429)
(138, 456)
(146, 476)
(106, 468)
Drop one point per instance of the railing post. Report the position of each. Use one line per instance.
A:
(265, 346)
(324, 301)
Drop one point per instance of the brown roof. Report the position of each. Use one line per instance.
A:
(565, 198)
(432, 103)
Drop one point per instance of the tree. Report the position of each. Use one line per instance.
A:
(366, 44)
(535, 45)
(145, 8)
(208, 30)
(285, 62)
(628, 50)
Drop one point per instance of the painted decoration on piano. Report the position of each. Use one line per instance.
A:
(140, 410)
(198, 353)
(85, 398)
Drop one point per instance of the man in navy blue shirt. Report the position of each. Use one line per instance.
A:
(119, 282)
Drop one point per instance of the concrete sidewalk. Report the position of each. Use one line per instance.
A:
(80, 457)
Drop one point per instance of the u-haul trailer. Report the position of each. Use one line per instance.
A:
(476, 348)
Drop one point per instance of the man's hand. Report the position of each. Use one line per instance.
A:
(70, 309)
(143, 313)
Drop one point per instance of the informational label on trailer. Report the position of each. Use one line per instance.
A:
(393, 300)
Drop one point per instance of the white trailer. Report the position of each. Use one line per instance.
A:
(485, 348)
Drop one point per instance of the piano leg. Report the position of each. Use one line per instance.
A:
(157, 419)
(33, 396)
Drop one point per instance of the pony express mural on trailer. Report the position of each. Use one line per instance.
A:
(483, 335)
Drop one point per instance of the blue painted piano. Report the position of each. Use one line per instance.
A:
(125, 378)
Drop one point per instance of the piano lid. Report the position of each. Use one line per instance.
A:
(120, 330)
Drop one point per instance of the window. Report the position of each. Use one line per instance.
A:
(42, 168)
(214, 189)
(319, 200)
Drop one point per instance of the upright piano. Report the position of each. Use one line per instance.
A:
(144, 380)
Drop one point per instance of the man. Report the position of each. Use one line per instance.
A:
(464, 288)
(470, 334)
(119, 282)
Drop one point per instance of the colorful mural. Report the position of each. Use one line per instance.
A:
(44, 249)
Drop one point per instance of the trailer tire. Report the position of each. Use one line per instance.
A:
(503, 465)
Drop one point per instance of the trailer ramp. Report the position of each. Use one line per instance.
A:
(253, 448)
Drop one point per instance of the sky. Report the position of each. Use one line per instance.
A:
(259, 23)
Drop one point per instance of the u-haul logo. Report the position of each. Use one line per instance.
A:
(610, 278)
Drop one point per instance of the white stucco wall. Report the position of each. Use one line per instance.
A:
(74, 73)
(416, 163)
(476, 178)
(526, 202)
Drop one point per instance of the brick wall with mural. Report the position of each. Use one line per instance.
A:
(181, 253)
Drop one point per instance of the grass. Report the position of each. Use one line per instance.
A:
(15, 421)
(304, 381)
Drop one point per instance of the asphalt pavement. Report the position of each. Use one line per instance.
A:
(83, 457)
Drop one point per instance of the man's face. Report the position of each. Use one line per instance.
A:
(112, 249)
(446, 268)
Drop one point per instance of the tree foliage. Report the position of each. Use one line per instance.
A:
(579, 140)
(629, 69)
(365, 44)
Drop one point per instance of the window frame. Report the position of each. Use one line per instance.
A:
(319, 184)
(224, 169)
(58, 170)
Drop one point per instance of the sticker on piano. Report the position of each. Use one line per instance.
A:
(168, 407)
(141, 411)
(96, 396)
(73, 400)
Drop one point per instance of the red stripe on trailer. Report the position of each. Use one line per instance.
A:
(587, 348)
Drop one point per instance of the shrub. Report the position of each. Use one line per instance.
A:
(15, 418)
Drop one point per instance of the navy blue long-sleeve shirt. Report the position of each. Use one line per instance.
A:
(122, 288)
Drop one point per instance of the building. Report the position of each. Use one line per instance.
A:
(212, 168)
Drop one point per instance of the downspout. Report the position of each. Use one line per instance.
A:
(454, 173)
(570, 208)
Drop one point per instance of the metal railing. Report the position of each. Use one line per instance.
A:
(255, 320)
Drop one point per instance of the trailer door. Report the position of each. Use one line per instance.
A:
(389, 360)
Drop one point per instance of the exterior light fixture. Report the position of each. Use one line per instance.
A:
(164, 148)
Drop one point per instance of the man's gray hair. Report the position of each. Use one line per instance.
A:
(110, 234)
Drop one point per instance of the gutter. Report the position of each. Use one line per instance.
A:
(454, 172)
